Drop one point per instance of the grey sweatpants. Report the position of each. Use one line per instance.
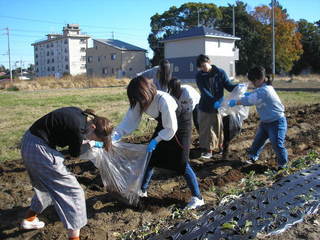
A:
(210, 131)
(53, 183)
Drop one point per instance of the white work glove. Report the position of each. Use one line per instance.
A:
(96, 144)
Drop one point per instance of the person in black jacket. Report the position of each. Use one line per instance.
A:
(211, 82)
(52, 182)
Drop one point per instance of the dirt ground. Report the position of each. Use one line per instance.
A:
(109, 219)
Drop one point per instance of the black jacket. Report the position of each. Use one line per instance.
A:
(62, 127)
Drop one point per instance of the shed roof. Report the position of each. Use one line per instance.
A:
(199, 32)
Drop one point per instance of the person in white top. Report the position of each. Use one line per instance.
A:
(168, 143)
(187, 97)
(160, 75)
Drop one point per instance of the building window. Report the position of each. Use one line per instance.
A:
(89, 59)
(130, 69)
(67, 67)
(52, 53)
(65, 50)
(113, 56)
(36, 55)
(105, 71)
(66, 58)
(47, 45)
(176, 69)
(96, 47)
(98, 59)
(219, 43)
(83, 58)
(48, 53)
(82, 41)
(48, 61)
(191, 67)
(112, 71)
(48, 69)
(36, 63)
(51, 44)
(66, 41)
(52, 60)
(52, 68)
(82, 49)
(36, 48)
(83, 66)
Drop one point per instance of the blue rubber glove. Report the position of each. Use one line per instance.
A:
(152, 145)
(232, 103)
(217, 104)
(246, 94)
(96, 144)
(115, 137)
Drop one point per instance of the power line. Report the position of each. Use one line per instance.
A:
(52, 22)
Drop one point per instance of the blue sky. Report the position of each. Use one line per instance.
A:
(31, 20)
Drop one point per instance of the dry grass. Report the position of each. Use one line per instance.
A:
(80, 81)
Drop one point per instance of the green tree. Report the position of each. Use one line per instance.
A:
(178, 19)
(310, 40)
(251, 48)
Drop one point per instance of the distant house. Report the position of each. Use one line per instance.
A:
(182, 49)
(110, 57)
(60, 54)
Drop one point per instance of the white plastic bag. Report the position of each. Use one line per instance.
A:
(122, 169)
(241, 111)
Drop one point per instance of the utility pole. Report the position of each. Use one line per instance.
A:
(112, 35)
(198, 17)
(273, 44)
(233, 22)
(11, 79)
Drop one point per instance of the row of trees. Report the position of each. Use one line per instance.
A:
(297, 43)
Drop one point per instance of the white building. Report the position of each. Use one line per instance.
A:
(61, 53)
(182, 49)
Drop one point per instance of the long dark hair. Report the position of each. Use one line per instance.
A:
(165, 73)
(257, 73)
(103, 128)
(140, 90)
(174, 87)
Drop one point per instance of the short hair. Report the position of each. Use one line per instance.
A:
(142, 91)
(202, 59)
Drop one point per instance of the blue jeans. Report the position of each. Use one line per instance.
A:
(276, 132)
(189, 175)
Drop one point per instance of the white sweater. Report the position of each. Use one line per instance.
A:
(162, 103)
(189, 98)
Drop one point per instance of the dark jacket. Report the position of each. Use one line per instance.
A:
(62, 127)
(211, 85)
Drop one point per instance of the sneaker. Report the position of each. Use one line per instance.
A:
(35, 224)
(281, 167)
(206, 155)
(142, 194)
(194, 203)
(250, 161)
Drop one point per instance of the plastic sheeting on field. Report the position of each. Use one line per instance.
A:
(268, 211)
(121, 169)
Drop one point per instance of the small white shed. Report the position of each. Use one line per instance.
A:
(182, 49)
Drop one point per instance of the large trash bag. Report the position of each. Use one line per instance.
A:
(121, 169)
(233, 117)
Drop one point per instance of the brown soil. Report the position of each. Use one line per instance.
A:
(108, 219)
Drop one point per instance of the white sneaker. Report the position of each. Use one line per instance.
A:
(35, 224)
(194, 203)
(206, 155)
(142, 194)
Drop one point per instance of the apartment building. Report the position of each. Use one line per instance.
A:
(111, 57)
(61, 54)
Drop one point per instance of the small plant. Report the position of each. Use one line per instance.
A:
(13, 88)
